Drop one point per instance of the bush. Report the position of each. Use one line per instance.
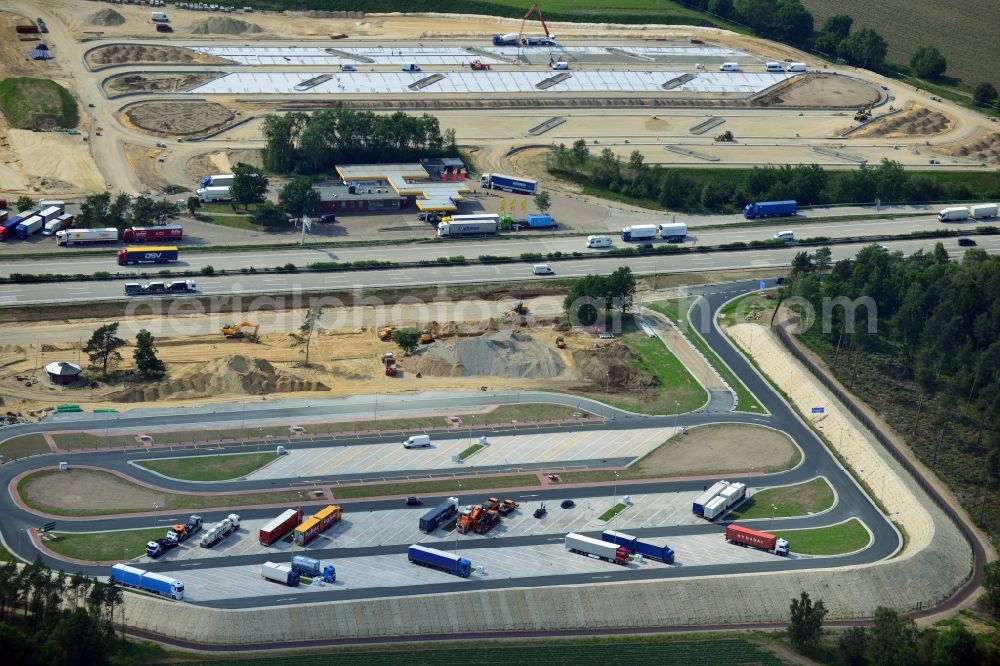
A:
(208, 270)
(290, 267)
(494, 259)
(531, 256)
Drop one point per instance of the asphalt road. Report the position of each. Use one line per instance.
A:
(294, 283)
(852, 502)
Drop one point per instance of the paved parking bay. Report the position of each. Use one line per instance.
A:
(316, 55)
(559, 447)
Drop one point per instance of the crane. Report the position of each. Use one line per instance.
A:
(549, 37)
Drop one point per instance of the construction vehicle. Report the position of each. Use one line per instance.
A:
(561, 342)
(725, 136)
(389, 361)
(234, 331)
(862, 115)
(385, 333)
(519, 309)
(426, 337)
(479, 66)
(518, 38)
(468, 519)
(507, 506)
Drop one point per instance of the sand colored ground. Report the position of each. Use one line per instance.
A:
(847, 437)
(719, 448)
(54, 163)
(85, 489)
(179, 118)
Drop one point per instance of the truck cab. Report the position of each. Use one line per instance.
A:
(781, 547)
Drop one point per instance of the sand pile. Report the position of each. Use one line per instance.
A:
(916, 121)
(224, 25)
(231, 375)
(501, 354)
(985, 148)
(106, 17)
(611, 366)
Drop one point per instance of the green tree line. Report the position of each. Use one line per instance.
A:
(123, 210)
(313, 143)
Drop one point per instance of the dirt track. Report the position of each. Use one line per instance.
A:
(179, 118)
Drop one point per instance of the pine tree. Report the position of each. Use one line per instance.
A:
(146, 361)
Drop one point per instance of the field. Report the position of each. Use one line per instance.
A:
(676, 383)
(799, 500)
(23, 446)
(833, 540)
(633, 650)
(37, 103)
(105, 546)
(959, 29)
(210, 468)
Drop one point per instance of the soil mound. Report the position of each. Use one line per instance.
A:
(106, 17)
(985, 148)
(228, 375)
(611, 366)
(223, 25)
(917, 121)
(501, 354)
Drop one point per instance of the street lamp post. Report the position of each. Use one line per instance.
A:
(614, 498)
(155, 509)
(774, 509)
(677, 408)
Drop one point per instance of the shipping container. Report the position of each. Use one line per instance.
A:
(210, 194)
(609, 552)
(744, 536)
(173, 232)
(145, 580)
(982, 211)
(146, 255)
(466, 225)
(541, 221)
(8, 228)
(280, 526)
(770, 209)
(732, 495)
(698, 507)
(48, 203)
(639, 232)
(280, 573)
(29, 226)
(635, 546)
(431, 520)
(438, 559)
(318, 523)
(620, 538)
(50, 213)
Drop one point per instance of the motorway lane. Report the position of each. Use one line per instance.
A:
(296, 283)
(431, 250)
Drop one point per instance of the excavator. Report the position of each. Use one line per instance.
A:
(246, 330)
(385, 333)
(561, 342)
(519, 309)
(506, 506)
(479, 66)
(725, 136)
(864, 114)
(488, 519)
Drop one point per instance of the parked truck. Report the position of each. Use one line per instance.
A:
(213, 193)
(183, 531)
(86, 236)
(725, 500)
(8, 228)
(158, 547)
(146, 255)
(468, 228)
(698, 507)
(280, 573)
(770, 209)
(540, 221)
(48, 203)
(220, 530)
(317, 524)
(431, 520)
(438, 559)
(982, 211)
(597, 549)
(313, 568)
(218, 180)
(673, 233)
(64, 221)
(173, 232)
(31, 225)
(744, 536)
(145, 580)
(498, 181)
(954, 214)
(50, 213)
(280, 526)
(639, 232)
(635, 546)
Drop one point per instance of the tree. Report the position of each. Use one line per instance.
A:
(146, 211)
(722, 8)
(298, 197)
(146, 361)
(928, 63)
(852, 644)
(823, 259)
(984, 95)
(304, 337)
(24, 203)
(806, 621)
(193, 203)
(543, 202)
(793, 22)
(619, 289)
(270, 217)
(103, 346)
(635, 162)
(249, 185)
(579, 153)
(408, 339)
(865, 49)
(76, 639)
(957, 646)
(838, 25)
(892, 639)
(991, 584)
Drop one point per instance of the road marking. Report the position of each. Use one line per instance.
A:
(193, 564)
(286, 599)
(599, 577)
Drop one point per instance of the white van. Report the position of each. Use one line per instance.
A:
(773, 67)
(785, 235)
(797, 67)
(411, 67)
(559, 64)
(417, 442)
(541, 269)
(729, 67)
(598, 241)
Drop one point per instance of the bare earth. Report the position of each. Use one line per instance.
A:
(179, 118)
(713, 448)
(83, 491)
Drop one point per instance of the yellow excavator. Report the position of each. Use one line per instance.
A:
(246, 330)
(385, 333)
(519, 309)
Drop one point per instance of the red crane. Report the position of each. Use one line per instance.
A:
(541, 19)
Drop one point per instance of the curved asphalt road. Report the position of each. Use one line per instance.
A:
(817, 461)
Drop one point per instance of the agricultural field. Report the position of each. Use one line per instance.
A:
(963, 30)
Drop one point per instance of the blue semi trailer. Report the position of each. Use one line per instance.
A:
(145, 580)
(770, 209)
(438, 559)
(498, 181)
(635, 546)
(433, 518)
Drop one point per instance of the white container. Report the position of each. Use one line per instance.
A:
(982, 211)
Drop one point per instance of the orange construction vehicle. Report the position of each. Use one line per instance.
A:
(467, 521)
(507, 506)
(487, 521)
(479, 66)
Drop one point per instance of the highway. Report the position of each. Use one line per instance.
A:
(295, 283)
(425, 248)
(817, 461)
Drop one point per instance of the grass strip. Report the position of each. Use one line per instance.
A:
(210, 468)
(799, 500)
(833, 540)
(472, 450)
(103, 546)
(612, 512)
(23, 446)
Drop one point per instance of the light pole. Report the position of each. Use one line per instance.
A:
(456, 528)
(155, 508)
(376, 410)
(614, 498)
(677, 408)
(607, 381)
(774, 509)
(126, 553)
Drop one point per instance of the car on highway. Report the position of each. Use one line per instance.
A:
(413, 501)
(567, 504)
(348, 68)
(966, 242)
(645, 245)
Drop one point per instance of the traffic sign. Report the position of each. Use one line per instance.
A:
(818, 410)
(763, 285)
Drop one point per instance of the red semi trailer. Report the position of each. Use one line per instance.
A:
(280, 526)
(744, 536)
(173, 232)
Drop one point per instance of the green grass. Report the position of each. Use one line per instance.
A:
(475, 448)
(676, 310)
(612, 512)
(104, 546)
(833, 540)
(634, 650)
(23, 446)
(676, 383)
(37, 103)
(799, 500)
(210, 468)
(6, 555)
(232, 221)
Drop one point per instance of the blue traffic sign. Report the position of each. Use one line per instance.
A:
(818, 410)
(763, 284)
